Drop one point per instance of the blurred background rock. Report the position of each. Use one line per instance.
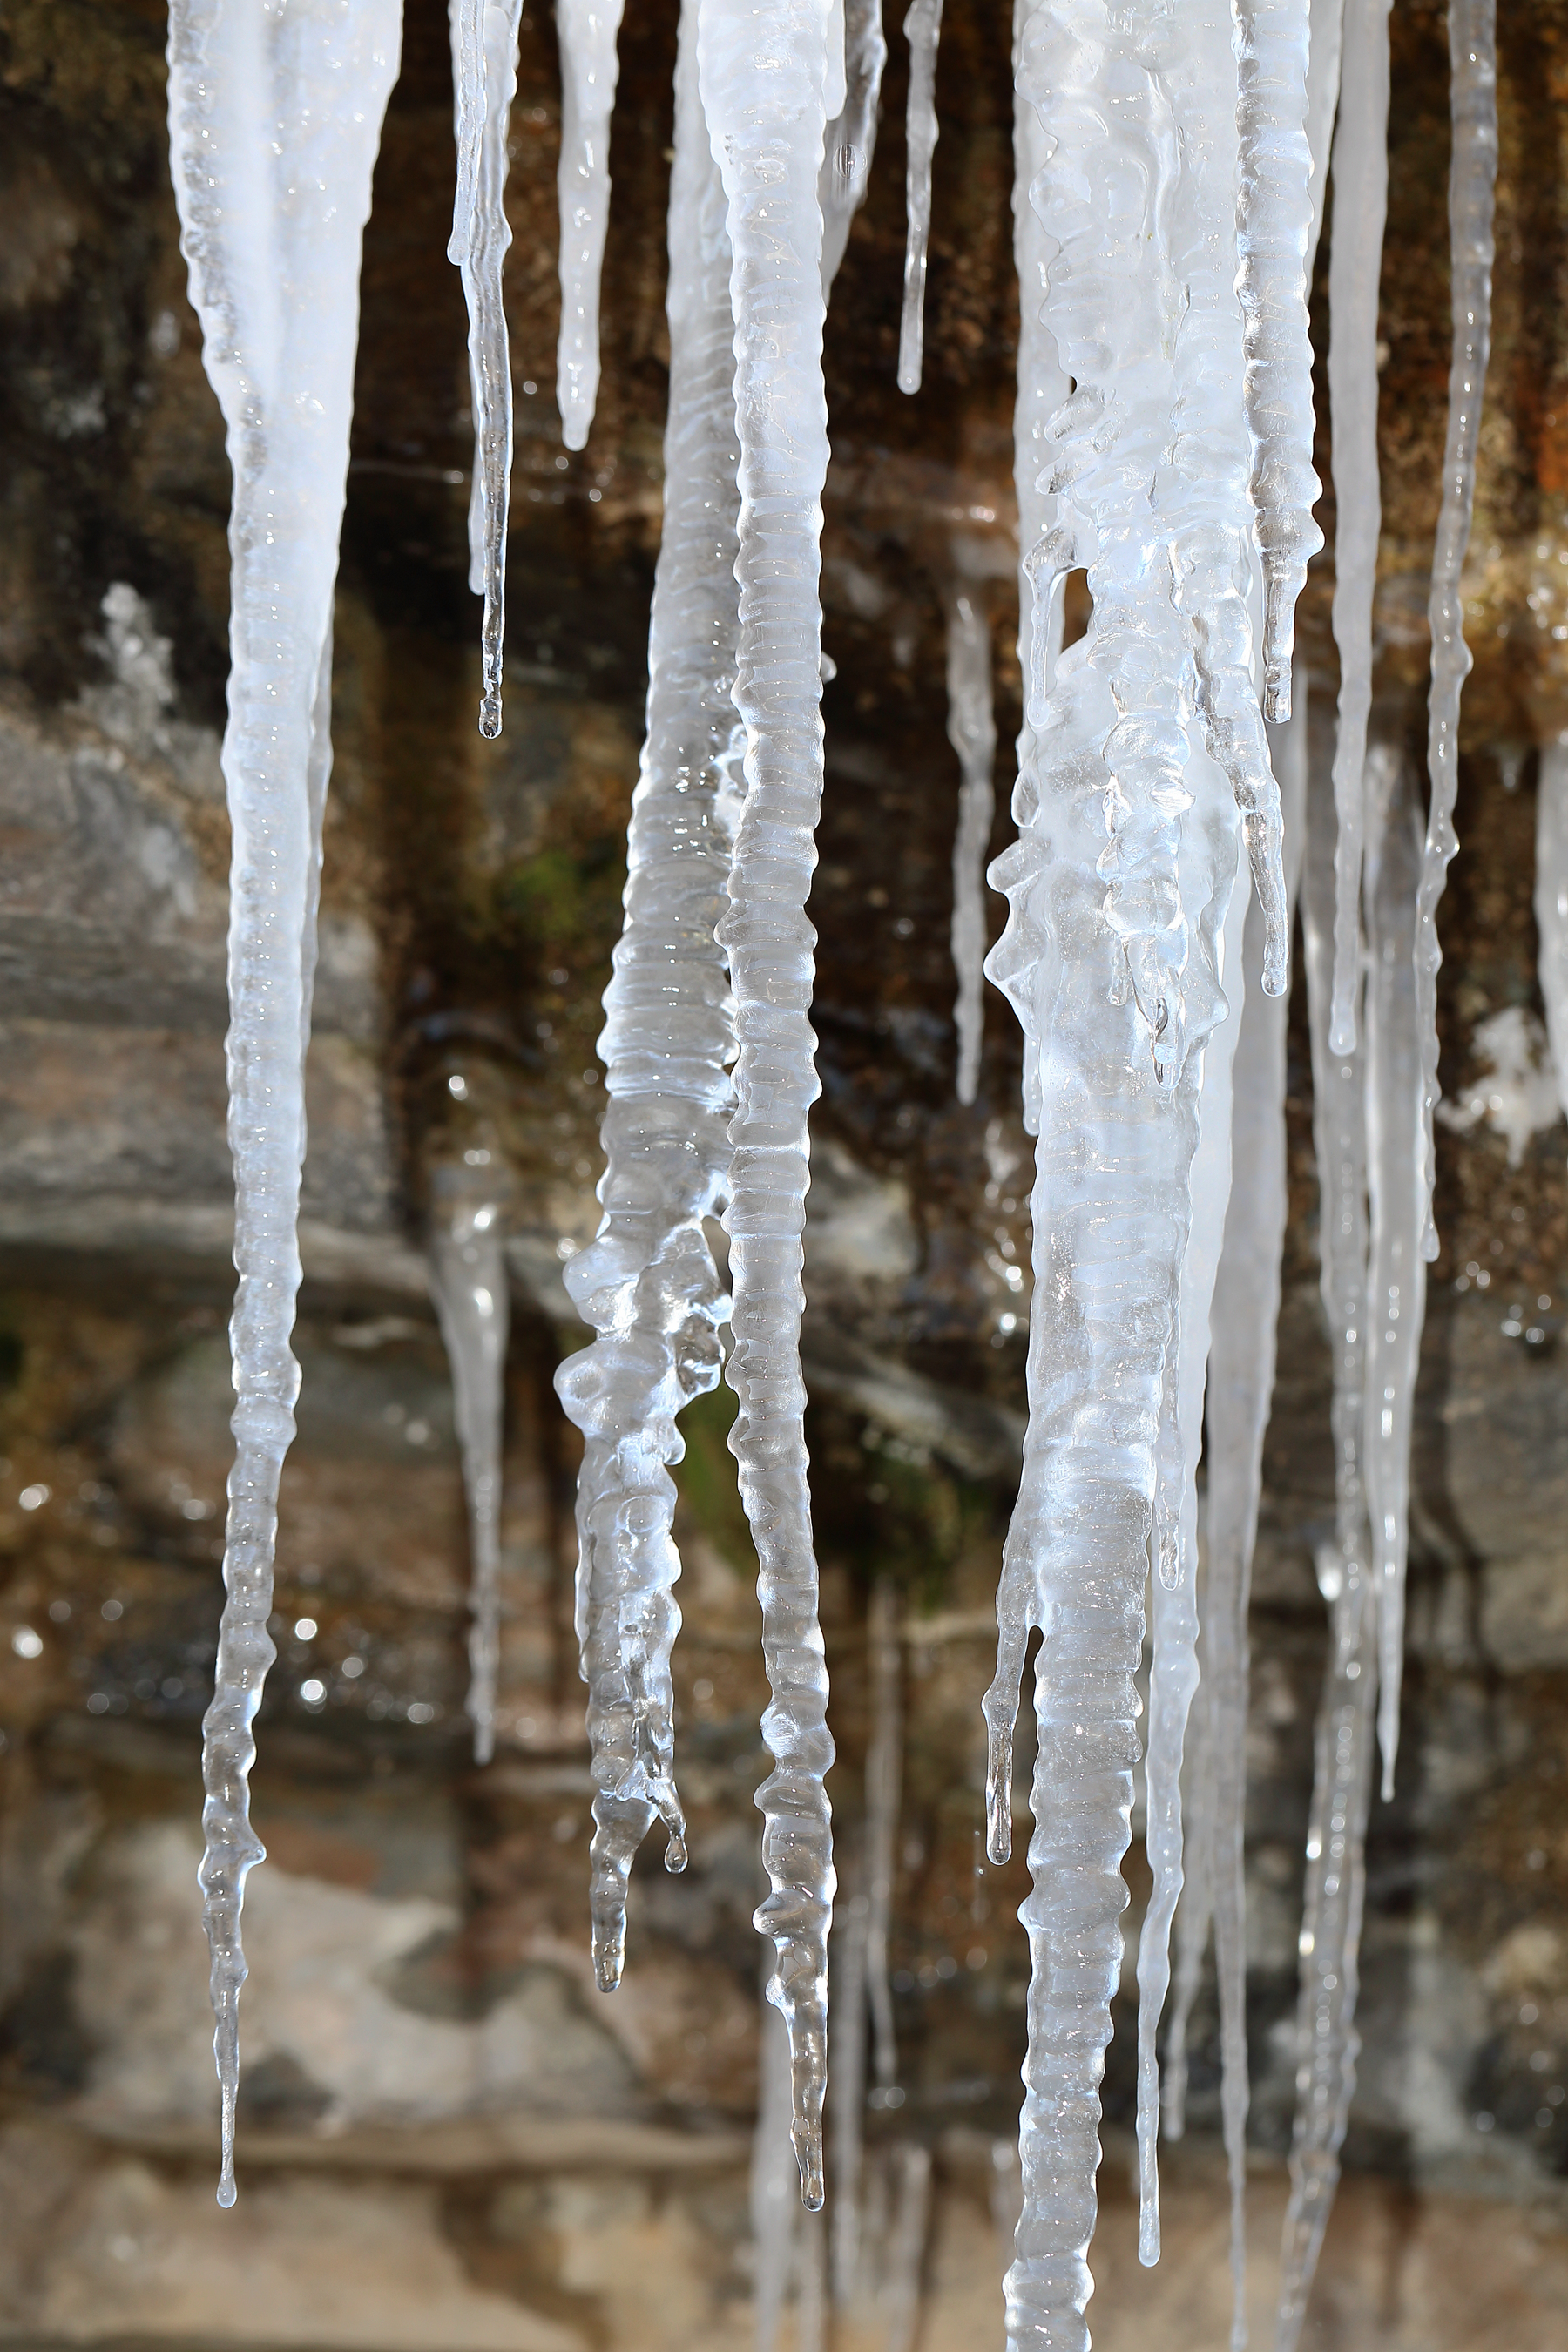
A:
(448, 2139)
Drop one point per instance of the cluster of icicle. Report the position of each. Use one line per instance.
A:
(1171, 165)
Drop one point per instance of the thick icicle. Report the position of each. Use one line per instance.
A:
(1326, 2046)
(922, 30)
(1173, 1679)
(1472, 175)
(1356, 263)
(1551, 901)
(468, 1277)
(272, 176)
(971, 731)
(586, 31)
(1273, 229)
(763, 81)
(852, 134)
(484, 82)
(647, 1282)
(1396, 1270)
(1151, 735)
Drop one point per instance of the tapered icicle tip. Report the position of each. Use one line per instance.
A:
(999, 1797)
(806, 2135)
(1149, 2233)
(490, 714)
(609, 1958)
(675, 1852)
(1277, 690)
(226, 2191)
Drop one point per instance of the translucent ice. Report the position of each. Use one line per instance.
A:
(851, 136)
(971, 731)
(272, 169)
(586, 31)
(922, 29)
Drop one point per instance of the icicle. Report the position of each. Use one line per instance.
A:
(852, 133)
(1472, 175)
(884, 1776)
(468, 1277)
(1355, 262)
(1322, 98)
(1174, 1676)
(1197, 1908)
(647, 1283)
(586, 31)
(1551, 901)
(484, 81)
(1273, 228)
(906, 2247)
(1396, 1272)
(971, 731)
(272, 180)
(774, 2202)
(922, 30)
(762, 79)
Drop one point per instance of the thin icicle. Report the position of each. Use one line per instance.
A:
(1273, 231)
(1551, 901)
(1472, 176)
(971, 731)
(273, 181)
(851, 135)
(1173, 1679)
(1396, 1270)
(1197, 1908)
(922, 30)
(647, 1283)
(763, 71)
(1355, 264)
(468, 1277)
(884, 1777)
(586, 32)
(1323, 100)
(484, 81)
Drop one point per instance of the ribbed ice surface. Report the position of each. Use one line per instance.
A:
(647, 1283)
(1356, 263)
(272, 172)
(1472, 174)
(922, 30)
(763, 73)
(851, 136)
(468, 1279)
(1273, 228)
(971, 731)
(484, 83)
(586, 31)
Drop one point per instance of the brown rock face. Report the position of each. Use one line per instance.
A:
(449, 2137)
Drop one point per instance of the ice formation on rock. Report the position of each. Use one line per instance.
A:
(272, 169)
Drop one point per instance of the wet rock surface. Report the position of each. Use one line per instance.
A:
(449, 2137)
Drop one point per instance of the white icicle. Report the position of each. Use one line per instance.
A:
(586, 32)
(1551, 901)
(484, 82)
(1323, 100)
(1396, 1270)
(922, 30)
(1472, 175)
(468, 1277)
(647, 1282)
(763, 70)
(971, 731)
(1173, 1679)
(852, 133)
(272, 178)
(1356, 263)
(1273, 228)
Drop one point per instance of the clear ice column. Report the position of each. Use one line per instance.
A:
(274, 122)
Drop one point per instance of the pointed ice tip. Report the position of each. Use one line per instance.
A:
(489, 717)
(607, 1970)
(1277, 692)
(675, 1853)
(808, 2138)
(226, 2192)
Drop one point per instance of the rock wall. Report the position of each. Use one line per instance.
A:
(449, 2139)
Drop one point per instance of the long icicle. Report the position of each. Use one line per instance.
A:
(1274, 232)
(922, 30)
(469, 1278)
(484, 83)
(1326, 2053)
(647, 1283)
(971, 731)
(852, 134)
(769, 151)
(586, 31)
(1356, 263)
(273, 181)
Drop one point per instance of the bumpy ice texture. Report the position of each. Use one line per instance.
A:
(971, 731)
(922, 30)
(763, 81)
(587, 32)
(647, 1284)
(484, 83)
(274, 122)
